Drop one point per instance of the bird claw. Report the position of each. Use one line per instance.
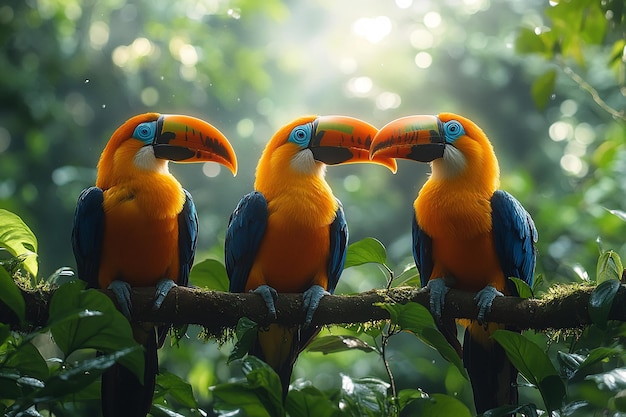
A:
(121, 290)
(484, 300)
(163, 288)
(269, 295)
(311, 300)
(438, 290)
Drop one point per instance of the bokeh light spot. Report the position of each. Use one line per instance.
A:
(423, 60)
(373, 29)
(432, 20)
(388, 100)
(560, 130)
(211, 169)
(149, 96)
(422, 39)
(245, 127)
(352, 183)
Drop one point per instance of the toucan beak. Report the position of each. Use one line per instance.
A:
(182, 138)
(419, 138)
(344, 140)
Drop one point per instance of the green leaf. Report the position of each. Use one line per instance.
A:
(210, 274)
(18, 239)
(528, 42)
(81, 319)
(26, 359)
(365, 251)
(338, 343)
(609, 267)
(175, 386)
(410, 277)
(260, 395)
(523, 289)
(617, 213)
(246, 335)
(304, 400)
(543, 88)
(613, 380)
(11, 295)
(364, 396)
(437, 405)
(416, 318)
(407, 396)
(535, 365)
(601, 301)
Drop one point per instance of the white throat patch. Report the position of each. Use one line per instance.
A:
(304, 162)
(145, 159)
(451, 165)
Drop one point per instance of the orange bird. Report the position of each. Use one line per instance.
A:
(138, 228)
(467, 234)
(290, 234)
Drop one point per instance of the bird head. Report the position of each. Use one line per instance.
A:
(309, 143)
(454, 145)
(148, 141)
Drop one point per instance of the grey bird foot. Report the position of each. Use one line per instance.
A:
(121, 290)
(438, 290)
(311, 300)
(163, 288)
(484, 300)
(269, 295)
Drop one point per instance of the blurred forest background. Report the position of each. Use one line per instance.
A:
(72, 71)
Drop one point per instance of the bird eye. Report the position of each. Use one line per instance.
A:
(145, 132)
(452, 130)
(301, 135)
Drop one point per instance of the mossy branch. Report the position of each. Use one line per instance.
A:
(217, 311)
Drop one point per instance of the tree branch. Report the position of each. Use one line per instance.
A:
(217, 311)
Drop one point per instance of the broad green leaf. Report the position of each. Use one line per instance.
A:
(407, 396)
(365, 251)
(523, 289)
(25, 358)
(594, 24)
(304, 400)
(528, 42)
(364, 396)
(609, 267)
(209, 274)
(18, 239)
(410, 277)
(620, 401)
(543, 88)
(158, 410)
(618, 213)
(416, 318)
(338, 343)
(535, 365)
(81, 319)
(601, 301)
(11, 295)
(259, 395)
(437, 405)
(613, 380)
(236, 398)
(246, 335)
(175, 386)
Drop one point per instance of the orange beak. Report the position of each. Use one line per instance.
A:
(344, 140)
(419, 138)
(182, 138)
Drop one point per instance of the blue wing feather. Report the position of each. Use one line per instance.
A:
(187, 238)
(338, 247)
(87, 234)
(422, 252)
(514, 235)
(243, 237)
